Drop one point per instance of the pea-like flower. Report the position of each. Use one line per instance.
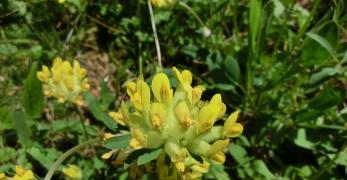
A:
(3, 176)
(163, 3)
(179, 122)
(23, 174)
(72, 172)
(64, 81)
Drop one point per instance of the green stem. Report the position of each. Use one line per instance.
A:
(155, 34)
(140, 59)
(305, 26)
(184, 5)
(282, 31)
(329, 165)
(85, 133)
(68, 153)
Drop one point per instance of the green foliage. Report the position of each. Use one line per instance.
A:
(33, 96)
(282, 63)
(118, 142)
(148, 157)
(20, 124)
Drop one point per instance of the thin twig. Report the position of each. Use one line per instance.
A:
(155, 34)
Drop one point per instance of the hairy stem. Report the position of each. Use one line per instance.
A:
(68, 153)
(184, 5)
(155, 34)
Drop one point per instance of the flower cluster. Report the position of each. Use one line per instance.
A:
(163, 3)
(21, 174)
(179, 122)
(64, 81)
(72, 172)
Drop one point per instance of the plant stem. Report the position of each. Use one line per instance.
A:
(305, 26)
(155, 34)
(329, 165)
(140, 59)
(85, 133)
(64, 156)
(184, 5)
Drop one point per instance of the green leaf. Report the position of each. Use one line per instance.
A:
(238, 153)
(46, 157)
(322, 75)
(319, 46)
(254, 21)
(324, 43)
(6, 119)
(7, 154)
(118, 142)
(328, 98)
(342, 158)
(307, 115)
(107, 96)
(301, 139)
(279, 8)
(219, 172)
(148, 157)
(133, 156)
(33, 96)
(20, 125)
(231, 66)
(344, 59)
(261, 168)
(97, 112)
(65, 125)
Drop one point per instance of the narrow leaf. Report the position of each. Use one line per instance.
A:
(33, 96)
(254, 20)
(148, 157)
(20, 124)
(328, 98)
(118, 142)
(95, 109)
(323, 42)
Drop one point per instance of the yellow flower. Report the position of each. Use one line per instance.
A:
(72, 172)
(23, 174)
(163, 3)
(3, 176)
(177, 121)
(64, 81)
(61, 1)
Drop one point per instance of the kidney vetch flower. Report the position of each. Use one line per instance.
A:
(163, 3)
(179, 122)
(64, 81)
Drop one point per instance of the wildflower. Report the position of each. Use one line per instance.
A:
(163, 3)
(23, 174)
(72, 172)
(3, 176)
(61, 1)
(64, 81)
(179, 122)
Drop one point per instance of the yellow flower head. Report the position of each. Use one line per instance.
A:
(72, 172)
(23, 174)
(163, 3)
(177, 121)
(61, 1)
(3, 176)
(64, 81)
